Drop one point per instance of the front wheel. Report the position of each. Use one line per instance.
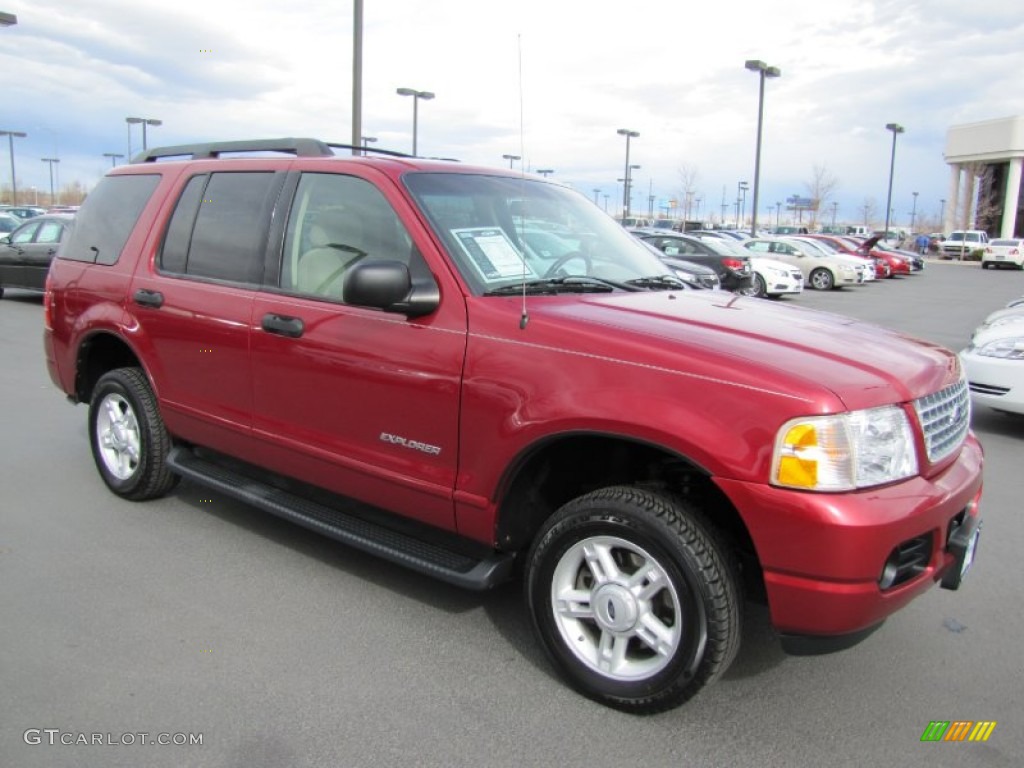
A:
(633, 598)
(756, 287)
(822, 280)
(128, 438)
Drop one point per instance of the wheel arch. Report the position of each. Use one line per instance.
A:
(560, 468)
(99, 353)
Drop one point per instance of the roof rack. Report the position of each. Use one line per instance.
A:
(214, 149)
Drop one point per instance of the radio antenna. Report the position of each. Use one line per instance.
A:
(524, 317)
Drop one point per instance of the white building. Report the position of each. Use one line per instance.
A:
(985, 177)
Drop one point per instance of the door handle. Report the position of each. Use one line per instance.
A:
(147, 298)
(283, 325)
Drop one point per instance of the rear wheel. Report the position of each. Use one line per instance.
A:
(128, 438)
(633, 598)
(822, 280)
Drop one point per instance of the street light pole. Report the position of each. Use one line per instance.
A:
(742, 195)
(913, 212)
(835, 207)
(763, 71)
(144, 121)
(511, 159)
(364, 140)
(11, 135)
(416, 96)
(545, 172)
(778, 212)
(597, 191)
(113, 158)
(896, 128)
(51, 161)
(625, 190)
(942, 215)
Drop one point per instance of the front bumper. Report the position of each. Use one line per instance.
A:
(824, 557)
(994, 381)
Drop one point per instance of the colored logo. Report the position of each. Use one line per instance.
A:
(958, 730)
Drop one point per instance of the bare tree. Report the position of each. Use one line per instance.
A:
(688, 176)
(820, 188)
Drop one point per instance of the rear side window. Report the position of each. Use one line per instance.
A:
(107, 217)
(219, 227)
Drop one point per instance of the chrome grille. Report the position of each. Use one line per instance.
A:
(945, 417)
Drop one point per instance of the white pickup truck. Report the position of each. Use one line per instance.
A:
(961, 243)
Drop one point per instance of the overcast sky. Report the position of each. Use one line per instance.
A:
(673, 71)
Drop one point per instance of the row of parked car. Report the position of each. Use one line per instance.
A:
(775, 266)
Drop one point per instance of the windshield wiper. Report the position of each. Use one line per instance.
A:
(658, 282)
(569, 284)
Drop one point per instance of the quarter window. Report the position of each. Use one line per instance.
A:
(107, 218)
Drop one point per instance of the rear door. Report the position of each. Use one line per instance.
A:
(194, 302)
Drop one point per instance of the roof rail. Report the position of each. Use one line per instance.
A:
(213, 149)
(368, 150)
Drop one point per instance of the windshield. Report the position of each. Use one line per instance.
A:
(501, 231)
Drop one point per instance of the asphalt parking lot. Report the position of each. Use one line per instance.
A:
(195, 614)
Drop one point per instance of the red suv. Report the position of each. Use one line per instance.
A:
(370, 347)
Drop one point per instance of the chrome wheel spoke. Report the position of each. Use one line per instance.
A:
(656, 636)
(574, 604)
(611, 652)
(601, 563)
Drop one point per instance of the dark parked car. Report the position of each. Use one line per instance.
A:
(26, 253)
(733, 270)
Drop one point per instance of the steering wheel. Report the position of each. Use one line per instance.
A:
(565, 259)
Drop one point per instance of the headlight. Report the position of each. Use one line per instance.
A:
(1007, 349)
(845, 451)
(1004, 320)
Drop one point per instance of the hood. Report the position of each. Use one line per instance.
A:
(870, 243)
(800, 352)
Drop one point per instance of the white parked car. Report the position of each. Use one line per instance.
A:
(1004, 252)
(820, 272)
(775, 278)
(865, 267)
(994, 364)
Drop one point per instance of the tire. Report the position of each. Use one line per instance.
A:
(633, 598)
(128, 438)
(984, 265)
(821, 279)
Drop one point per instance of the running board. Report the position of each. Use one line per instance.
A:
(421, 556)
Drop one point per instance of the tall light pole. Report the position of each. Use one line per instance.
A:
(144, 121)
(511, 159)
(113, 158)
(763, 71)
(51, 161)
(942, 215)
(913, 212)
(11, 135)
(545, 172)
(835, 207)
(364, 140)
(742, 196)
(597, 192)
(357, 75)
(625, 190)
(416, 96)
(896, 128)
(778, 212)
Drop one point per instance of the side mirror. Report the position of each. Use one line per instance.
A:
(387, 285)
